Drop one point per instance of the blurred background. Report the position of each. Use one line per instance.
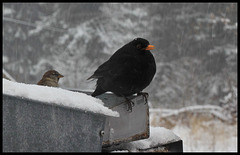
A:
(194, 91)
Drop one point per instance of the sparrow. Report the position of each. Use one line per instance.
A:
(50, 78)
(128, 71)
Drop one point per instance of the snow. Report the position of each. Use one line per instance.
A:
(158, 136)
(59, 96)
(5, 59)
(202, 128)
(8, 11)
(210, 136)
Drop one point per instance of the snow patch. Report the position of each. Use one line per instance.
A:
(158, 136)
(8, 11)
(53, 95)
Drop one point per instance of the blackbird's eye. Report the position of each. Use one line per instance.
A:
(139, 46)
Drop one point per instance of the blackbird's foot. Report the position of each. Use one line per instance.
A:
(130, 104)
(145, 96)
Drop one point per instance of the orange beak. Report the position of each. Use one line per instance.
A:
(150, 47)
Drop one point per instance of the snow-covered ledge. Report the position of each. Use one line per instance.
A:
(58, 96)
(45, 119)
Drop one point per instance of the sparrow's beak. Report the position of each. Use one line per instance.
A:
(60, 76)
(150, 47)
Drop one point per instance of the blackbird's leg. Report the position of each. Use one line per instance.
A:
(145, 96)
(129, 103)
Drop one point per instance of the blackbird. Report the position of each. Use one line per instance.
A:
(50, 78)
(128, 71)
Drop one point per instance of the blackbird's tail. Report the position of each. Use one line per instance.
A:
(98, 91)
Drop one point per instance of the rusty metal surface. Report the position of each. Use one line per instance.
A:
(130, 126)
(176, 146)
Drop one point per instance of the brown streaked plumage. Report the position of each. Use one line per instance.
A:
(50, 78)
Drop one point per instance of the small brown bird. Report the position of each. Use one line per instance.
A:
(50, 78)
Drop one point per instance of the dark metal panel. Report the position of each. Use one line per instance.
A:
(175, 146)
(130, 126)
(34, 126)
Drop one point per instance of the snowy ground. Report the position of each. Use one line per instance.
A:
(200, 131)
(210, 136)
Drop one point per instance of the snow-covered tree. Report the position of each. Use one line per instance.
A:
(196, 44)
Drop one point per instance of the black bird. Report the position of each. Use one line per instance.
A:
(128, 71)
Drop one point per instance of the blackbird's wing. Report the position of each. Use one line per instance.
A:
(112, 74)
(107, 68)
(101, 71)
(117, 68)
(116, 76)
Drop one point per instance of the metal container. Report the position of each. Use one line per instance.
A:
(33, 126)
(130, 126)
